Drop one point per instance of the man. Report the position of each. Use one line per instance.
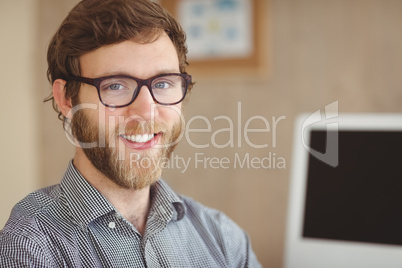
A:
(118, 73)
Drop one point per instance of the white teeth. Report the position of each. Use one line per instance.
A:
(139, 138)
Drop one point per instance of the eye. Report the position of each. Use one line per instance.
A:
(161, 85)
(115, 84)
(115, 87)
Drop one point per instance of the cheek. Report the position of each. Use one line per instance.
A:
(170, 114)
(107, 119)
(88, 94)
(111, 120)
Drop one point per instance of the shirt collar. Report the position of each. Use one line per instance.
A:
(166, 203)
(86, 203)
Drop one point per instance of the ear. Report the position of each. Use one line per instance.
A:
(59, 95)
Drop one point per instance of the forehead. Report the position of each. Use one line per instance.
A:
(131, 58)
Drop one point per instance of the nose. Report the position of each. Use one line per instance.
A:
(143, 106)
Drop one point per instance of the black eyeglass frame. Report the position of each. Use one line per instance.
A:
(96, 82)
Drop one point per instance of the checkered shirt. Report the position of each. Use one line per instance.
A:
(72, 225)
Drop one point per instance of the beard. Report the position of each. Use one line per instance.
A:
(128, 170)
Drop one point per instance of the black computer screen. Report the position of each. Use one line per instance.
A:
(361, 198)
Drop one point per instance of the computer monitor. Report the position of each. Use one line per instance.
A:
(345, 198)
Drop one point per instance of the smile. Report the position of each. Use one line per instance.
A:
(139, 138)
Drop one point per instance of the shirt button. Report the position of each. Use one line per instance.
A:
(112, 225)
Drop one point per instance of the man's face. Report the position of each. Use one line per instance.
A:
(136, 136)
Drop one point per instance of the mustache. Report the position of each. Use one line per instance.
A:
(141, 127)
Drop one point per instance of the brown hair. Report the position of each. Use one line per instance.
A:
(92, 24)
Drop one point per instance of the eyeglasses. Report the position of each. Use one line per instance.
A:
(121, 90)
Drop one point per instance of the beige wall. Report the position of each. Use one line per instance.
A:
(317, 52)
(19, 103)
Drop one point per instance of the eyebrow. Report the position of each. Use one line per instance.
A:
(163, 71)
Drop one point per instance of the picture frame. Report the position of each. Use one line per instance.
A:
(252, 61)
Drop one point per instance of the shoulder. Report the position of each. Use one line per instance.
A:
(32, 215)
(217, 228)
(34, 204)
(24, 229)
(213, 218)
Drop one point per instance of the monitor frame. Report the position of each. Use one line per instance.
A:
(301, 252)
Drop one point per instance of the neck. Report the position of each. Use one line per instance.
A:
(133, 205)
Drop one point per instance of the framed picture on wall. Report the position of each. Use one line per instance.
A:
(222, 34)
